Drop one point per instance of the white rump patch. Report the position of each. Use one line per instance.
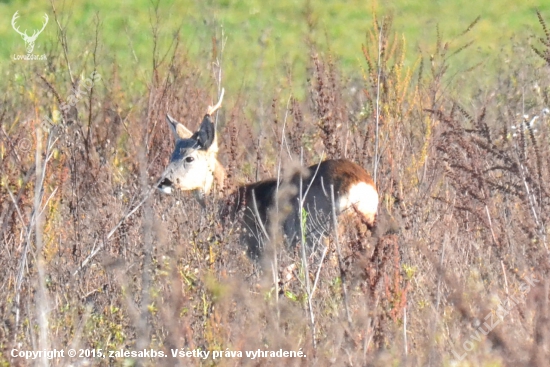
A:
(165, 189)
(363, 197)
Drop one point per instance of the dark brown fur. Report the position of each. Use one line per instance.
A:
(316, 184)
(305, 211)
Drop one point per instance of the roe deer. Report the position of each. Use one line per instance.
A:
(194, 167)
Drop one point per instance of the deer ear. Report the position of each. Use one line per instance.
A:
(206, 134)
(179, 131)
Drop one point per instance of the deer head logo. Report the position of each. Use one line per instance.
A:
(29, 40)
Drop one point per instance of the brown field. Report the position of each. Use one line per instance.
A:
(93, 258)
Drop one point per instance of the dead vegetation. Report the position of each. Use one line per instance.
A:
(93, 257)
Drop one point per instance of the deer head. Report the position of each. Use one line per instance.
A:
(29, 40)
(193, 164)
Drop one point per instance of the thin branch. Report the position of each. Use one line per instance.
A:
(63, 40)
(376, 138)
(115, 228)
(338, 251)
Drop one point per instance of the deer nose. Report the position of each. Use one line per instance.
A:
(165, 186)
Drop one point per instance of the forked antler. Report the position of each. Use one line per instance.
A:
(46, 19)
(15, 27)
(212, 109)
(24, 34)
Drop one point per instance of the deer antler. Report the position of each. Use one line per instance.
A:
(24, 34)
(36, 33)
(15, 27)
(212, 109)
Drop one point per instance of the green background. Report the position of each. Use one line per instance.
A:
(266, 41)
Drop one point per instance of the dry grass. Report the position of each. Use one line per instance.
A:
(469, 195)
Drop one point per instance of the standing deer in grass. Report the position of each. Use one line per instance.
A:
(194, 167)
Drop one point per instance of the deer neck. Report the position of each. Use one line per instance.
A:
(219, 176)
(216, 181)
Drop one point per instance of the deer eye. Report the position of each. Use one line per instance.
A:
(189, 159)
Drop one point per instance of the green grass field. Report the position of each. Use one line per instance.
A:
(266, 40)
